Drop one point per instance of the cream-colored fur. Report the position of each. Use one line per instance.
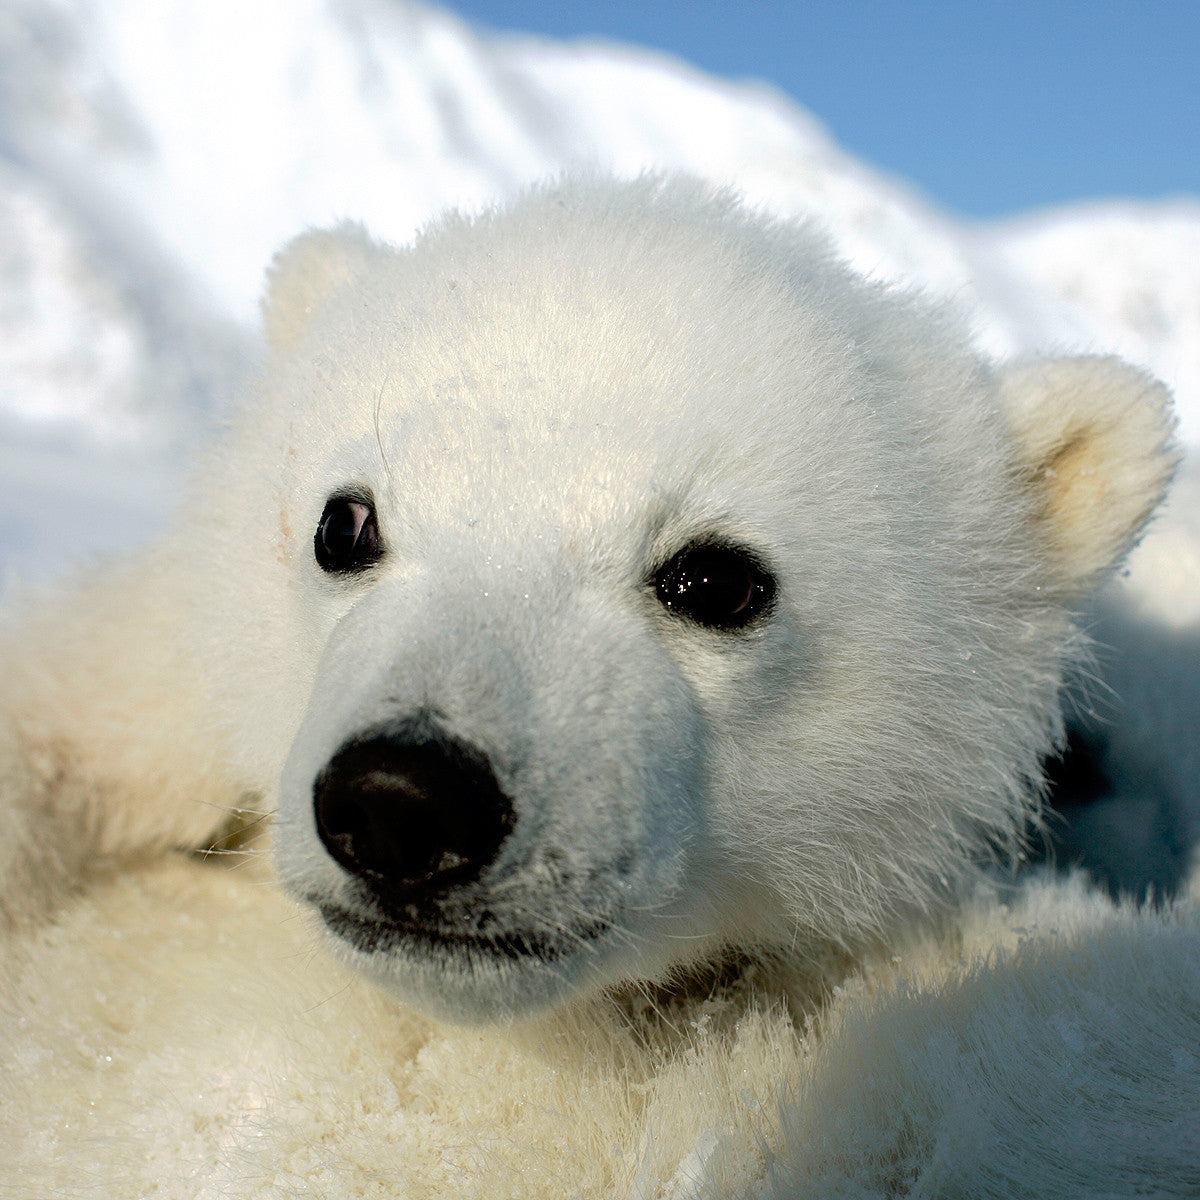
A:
(178, 1035)
(543, 407)
(1092, 433)
(108, 746)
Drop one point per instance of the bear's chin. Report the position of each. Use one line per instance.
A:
(469, 978)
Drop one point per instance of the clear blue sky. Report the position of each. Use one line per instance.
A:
(990, 107)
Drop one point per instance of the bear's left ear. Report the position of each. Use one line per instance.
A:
(1096, 444)
(305, 271)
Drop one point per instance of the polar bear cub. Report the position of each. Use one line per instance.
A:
(599, 587)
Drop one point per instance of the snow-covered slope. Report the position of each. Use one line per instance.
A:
(1124, 277)
(153, 153)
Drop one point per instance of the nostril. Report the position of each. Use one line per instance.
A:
(410, 817)
(343, 825)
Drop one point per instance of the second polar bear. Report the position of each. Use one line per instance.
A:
(603, 587)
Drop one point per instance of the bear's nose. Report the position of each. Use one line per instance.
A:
(411, 818)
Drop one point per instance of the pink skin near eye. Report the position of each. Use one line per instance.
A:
(745, 600)
(361, 513)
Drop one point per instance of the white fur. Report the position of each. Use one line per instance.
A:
(176, 1035)
(546, 404)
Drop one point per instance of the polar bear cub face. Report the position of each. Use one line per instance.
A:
(633, 583)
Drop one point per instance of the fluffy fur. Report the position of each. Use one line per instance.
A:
(177, 1035)
(542, 407)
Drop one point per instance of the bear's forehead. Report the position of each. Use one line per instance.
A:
(561, 362)
(540, 416)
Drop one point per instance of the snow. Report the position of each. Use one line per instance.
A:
(154, 153)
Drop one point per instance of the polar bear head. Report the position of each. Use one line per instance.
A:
(624, 581)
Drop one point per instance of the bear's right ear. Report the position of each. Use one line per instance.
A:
(305, 271)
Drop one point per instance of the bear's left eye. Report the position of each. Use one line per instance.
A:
(347, 537)
(721, 587)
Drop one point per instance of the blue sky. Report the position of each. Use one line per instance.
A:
(990, 108)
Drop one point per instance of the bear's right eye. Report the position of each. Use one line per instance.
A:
(347, 537)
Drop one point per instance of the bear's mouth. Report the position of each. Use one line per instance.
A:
(382, 933)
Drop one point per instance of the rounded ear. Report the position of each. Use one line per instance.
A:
(305, 271)
(1095, 438)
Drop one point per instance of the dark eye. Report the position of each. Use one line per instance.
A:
(347, 538)
(721, 587)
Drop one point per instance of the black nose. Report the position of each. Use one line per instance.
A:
(410, 817)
